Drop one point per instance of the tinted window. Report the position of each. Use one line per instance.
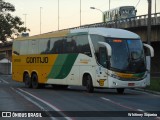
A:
(44, 46)
(33, 47)
(16, 47)
(58, 45)
(74, 44)
(78, 44)
(127, 55)
(23, 47)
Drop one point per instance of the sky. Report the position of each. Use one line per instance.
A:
(69, 12)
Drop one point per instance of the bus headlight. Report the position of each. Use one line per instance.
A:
(115, 76)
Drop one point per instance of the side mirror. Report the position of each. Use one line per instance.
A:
(109, 51)
(150, 48)
(108, 47)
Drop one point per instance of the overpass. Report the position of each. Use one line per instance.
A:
(137, 24)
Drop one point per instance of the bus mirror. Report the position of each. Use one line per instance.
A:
(150, 48)
(108, 47)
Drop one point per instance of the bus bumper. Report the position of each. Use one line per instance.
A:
(115, 83)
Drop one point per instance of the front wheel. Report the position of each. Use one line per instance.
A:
(89, 84)
(120, 90)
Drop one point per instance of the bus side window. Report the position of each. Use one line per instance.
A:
(16, 47)
(71, 45)
(33, 46)
(102, 56)
(58, 46)
(82, 45)
(24, 47)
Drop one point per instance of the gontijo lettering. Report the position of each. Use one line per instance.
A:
(37, 60)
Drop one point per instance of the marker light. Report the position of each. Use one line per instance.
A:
(117, 41)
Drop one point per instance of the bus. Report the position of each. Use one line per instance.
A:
(90, 57)
(119, 13)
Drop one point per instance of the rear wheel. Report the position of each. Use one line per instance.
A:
(35, 83)
(27, 81)
(120, 90)
(89, 84)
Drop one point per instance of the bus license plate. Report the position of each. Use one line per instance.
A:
(131, 84)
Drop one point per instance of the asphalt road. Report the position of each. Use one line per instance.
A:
(75, 103)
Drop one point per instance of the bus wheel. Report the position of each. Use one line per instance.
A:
(27, 80)
(89, 84)
(35, 83)
(120, 90)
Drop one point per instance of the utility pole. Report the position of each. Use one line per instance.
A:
(25, 17)
(80, 12)
(149, 22)
(155, 6)
(40, 19)
(109, 4)
(58, 15)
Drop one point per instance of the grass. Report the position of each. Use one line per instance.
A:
(155, 84)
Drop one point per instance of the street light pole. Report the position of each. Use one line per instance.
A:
(58, 14)
(25, 17)
(80, 12)
(109, 4)
(100, 11)
(155, 6)
(40, 19)
(149, 22)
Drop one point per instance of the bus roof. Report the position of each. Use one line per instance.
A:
(108, 32)
(46, 35)
(119, 8)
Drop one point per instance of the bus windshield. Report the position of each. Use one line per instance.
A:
(127, 12)
(127, 54)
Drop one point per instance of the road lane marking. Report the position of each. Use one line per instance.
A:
(145, 92)
(118, 104)
(140, 110)
(158, 118)
(4, 81)
(46, 103)
(32, 101)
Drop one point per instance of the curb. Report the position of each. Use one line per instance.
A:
(149, 91)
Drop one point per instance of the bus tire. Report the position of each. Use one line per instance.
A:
(27, 80)
(35, 83)
(120, 90)
(89, 84)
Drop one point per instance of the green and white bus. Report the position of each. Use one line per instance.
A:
(119, 13)
(91, 57)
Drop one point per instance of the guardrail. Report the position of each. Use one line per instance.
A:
(137, 21)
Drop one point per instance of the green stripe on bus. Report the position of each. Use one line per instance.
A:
(56, 68)
(62, 66)
(139, 75)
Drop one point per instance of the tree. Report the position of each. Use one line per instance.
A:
(9, 25)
